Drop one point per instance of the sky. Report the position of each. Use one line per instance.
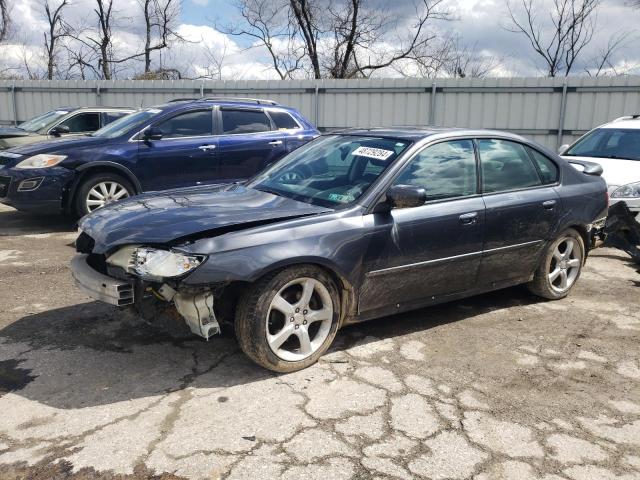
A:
(479, 23)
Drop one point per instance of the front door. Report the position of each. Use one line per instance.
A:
(424, 253)
(522, 209)
(248, 143)
(184, 156)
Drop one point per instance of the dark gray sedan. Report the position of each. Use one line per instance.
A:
(353, 226)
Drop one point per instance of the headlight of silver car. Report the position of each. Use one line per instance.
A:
(43, 160)
(153, 263)
(631, 190)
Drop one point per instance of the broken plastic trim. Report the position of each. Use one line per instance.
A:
(622, 230)
(197, 310)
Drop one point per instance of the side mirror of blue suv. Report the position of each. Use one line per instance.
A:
(186, 143)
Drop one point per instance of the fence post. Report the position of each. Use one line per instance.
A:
(98, 96)
(563, 108)
(202, 90)
(432, 108)
(317, 106)
(15, 107)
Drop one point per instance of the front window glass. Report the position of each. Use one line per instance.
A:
(331, 171)
(190, 124)
(623, 143)
(43, 122)
(83, 122)
(444, 170)
(506, 166)
(128, 124)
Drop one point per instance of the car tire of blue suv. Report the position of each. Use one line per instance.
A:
(278, 312)
(100, 189)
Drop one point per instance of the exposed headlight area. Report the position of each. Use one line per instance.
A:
(631, 190)
(153, 263)
(42, 160)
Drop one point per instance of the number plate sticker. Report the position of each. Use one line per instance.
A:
(377, 153)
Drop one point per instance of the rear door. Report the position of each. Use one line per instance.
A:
(186, 154)
(434, 250)
(522, 208)
(248, 142)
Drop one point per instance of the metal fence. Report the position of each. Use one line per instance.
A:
(552, 111)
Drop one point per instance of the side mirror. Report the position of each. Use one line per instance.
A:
(59, 130)
(406, 196)
(563, 149)
(152, 133)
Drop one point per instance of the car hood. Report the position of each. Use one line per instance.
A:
(59, 145)
(615, 171)
(8, 132)
(176, 215)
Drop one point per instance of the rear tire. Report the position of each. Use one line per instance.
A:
(288, 319)
(101, 189)
(560, 266)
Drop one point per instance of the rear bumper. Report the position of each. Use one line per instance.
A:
(99, 286)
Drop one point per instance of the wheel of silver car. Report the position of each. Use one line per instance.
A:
(100, 189)
(299, 319)
(560, 266)
(103, 193)
(565, 265)
(288, 319)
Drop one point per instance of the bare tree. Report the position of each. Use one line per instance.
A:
(160, 19)
(337, 39)
(561, 39)
(270, 24)
(55, 32)
(4, 19)
(466, 61)
(602, 63)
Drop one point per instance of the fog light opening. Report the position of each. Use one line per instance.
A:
(30, 184)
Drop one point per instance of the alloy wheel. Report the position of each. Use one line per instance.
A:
(103, 193)
(565, 265)
(299, 319)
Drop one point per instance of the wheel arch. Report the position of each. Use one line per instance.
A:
(346, 290)
(93, 168)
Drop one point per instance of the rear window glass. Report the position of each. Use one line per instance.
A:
(283, 121)
(244, 121)
(547, 168)
(506, 166)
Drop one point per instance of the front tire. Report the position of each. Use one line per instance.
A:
(560, 267)
(288, 319)
(100, 189)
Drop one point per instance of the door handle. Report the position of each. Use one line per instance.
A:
(549, 204)
(207, 147)
(469, 218)
(275, 143)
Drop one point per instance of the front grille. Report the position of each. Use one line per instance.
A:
(4, 186)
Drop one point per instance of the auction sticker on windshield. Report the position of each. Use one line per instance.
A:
(377, 153)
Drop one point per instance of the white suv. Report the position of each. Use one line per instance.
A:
(616, 147)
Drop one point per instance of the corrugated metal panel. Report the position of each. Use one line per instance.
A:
(530, 106)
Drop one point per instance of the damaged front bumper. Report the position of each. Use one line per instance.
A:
(195, 307)
(99, 286)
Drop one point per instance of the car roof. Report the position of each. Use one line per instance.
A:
(98, 108)
(628, 121)
(416, 133)
(224, 101)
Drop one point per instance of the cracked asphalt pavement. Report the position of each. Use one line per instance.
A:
(500, 386)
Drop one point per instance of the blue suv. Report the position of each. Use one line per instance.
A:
(186, 142)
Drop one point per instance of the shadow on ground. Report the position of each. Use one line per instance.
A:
(19, 223)
(93, 354)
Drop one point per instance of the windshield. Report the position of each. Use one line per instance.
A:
(126, 124)
(330, 171)
(43, 122)
(623, 143)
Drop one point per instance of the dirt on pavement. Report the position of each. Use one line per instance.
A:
(500, 386)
